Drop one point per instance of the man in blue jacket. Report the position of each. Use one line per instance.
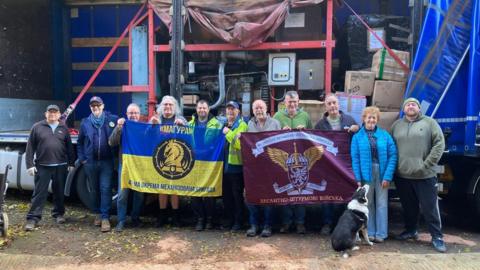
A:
(97, 158)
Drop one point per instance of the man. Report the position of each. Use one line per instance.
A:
(204, 207)
(293, 118)
(97, 158)
(168, 113)
(333, 119)
(233, 170)
(420, 146)
(50, 142)
(261, 122)
(133, 114)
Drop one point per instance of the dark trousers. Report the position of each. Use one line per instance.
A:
(42, 179)
(416, 194)
(100, 177)
(233, 197)
(203, 207)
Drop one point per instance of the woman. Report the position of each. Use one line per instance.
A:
(374, 158)
(168, 113)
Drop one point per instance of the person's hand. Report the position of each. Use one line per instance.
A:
(179, 122)
(32, 171)
(287, 128)
(155, 120)
(70, 168)
(300, 127)
(353, 128)
(225, 130)
(120, 122)
(385, 184)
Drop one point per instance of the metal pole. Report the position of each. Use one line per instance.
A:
(329, 46)
(152, 100)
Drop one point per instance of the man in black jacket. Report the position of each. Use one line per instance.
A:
(51, 144)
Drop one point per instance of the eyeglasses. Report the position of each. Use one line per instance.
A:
(95, 105)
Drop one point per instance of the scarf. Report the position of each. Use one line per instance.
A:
(97, 122)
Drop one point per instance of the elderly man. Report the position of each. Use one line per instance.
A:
(168, 113)
(133, 114)
(97, 158)
(293, 118)
(204, 207)
(420, 146)
(261, 122)
(333, 119)
(50, 142)
(233, 171)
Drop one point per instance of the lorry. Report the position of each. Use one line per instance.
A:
(219, 51)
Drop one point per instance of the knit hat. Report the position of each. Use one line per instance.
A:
(411, 99)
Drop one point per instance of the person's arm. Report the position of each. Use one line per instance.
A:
(31, 148)
(355, 155)
(438, 145)
(233, 136)
(70, 150)
(115, 137)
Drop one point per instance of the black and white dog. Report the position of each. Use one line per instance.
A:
(354, 220)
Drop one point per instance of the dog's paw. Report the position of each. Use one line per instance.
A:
(370, 243)
(345, 255)
(356, 248)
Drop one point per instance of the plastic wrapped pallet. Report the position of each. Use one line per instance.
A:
(386, 68)
(388, 95)
(352, 105)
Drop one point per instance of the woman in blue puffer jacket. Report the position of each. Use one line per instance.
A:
(374, 158)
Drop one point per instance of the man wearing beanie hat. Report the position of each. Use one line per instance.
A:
(420, 146)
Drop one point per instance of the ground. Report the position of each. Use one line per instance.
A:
(78, 244)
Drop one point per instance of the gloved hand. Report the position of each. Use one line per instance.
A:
(70, 168)
(32, 171)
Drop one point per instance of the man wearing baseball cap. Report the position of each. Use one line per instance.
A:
(420, 146)
(50, 143)
(97, 158)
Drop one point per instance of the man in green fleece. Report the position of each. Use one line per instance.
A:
(420, 146)
(293, 118)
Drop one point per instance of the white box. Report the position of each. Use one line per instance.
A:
(281, 69)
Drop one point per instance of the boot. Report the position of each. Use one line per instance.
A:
(209, 224)
(160, 218)
(199, 226)
(176, 218)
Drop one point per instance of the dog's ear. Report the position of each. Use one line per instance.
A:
(367, 187)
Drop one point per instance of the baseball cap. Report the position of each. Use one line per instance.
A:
(96, 99)
(53, 107)
(234, 104)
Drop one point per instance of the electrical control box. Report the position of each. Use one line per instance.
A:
(311, 74)
(281, 69)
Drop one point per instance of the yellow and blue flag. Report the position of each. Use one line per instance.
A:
(172, 159)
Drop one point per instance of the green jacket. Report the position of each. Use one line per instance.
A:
(211, 128)
(232, 137)
(420, 146)
(300, 119)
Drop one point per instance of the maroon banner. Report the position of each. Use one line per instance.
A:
(297, 167)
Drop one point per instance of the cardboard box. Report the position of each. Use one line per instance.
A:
(388, 95)
(386, 68)
(352, 105)
(359, 82)
(387, 119)
(314, 108)
(190, 99)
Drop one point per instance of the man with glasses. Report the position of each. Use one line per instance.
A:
(50, 142)
(97, 157)
(133, 114)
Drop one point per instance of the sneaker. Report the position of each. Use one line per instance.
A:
(120, 226)
(266, 232)
(136, 222)
(98, 221)
(406, 235)
(209, 224)
(371, 239)
(105, 225)
(60, 219)
(160, 221)
(326, 230)
(439, 245)
(301, 229)
(199, 226)
(377, 240)
(285, 228)
(30, 225)
(252, 231)
(236, 228)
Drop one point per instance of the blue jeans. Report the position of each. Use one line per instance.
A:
(289, 210)
(253, 214)
(377, 206)
(100, 174)
(122, 201)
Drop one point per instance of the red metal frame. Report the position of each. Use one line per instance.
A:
(330, 46)
(152, 100)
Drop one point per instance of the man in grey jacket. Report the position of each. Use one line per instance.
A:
(420, 146)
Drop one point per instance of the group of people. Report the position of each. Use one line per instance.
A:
(407, 155)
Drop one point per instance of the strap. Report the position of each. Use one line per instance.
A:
(382, 64)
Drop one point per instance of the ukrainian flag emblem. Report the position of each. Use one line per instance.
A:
(171, 159)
